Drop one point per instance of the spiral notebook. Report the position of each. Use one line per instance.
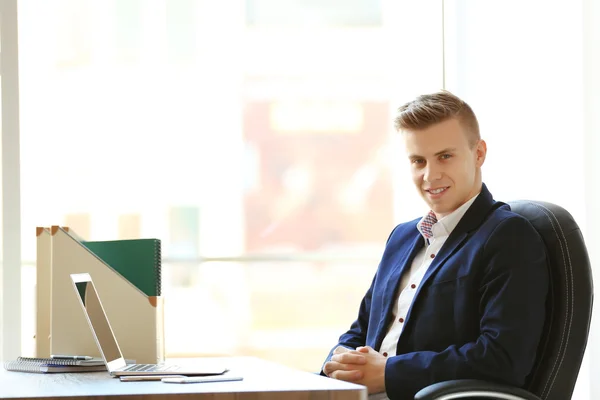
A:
(138, 260)
(51, 365)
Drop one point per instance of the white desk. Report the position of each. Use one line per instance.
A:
(263, 380)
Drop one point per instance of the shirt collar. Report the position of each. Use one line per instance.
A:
(446, 225)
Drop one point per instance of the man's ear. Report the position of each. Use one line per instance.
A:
(480, 152)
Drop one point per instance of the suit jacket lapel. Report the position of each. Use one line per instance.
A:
(474, 216)
(452, 243)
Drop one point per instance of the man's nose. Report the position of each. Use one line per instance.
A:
(432, 173)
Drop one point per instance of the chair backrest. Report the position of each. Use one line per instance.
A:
(569, 304)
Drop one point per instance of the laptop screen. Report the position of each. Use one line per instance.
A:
(92, 306)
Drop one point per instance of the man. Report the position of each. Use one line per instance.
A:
(458, 293)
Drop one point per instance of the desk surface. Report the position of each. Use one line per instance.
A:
(263, 380)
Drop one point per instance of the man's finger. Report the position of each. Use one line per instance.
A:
(340, 349)
(349, 358)
(328, 368)
(331, 366)
(348, 376)
(366, 350)
(334, 366)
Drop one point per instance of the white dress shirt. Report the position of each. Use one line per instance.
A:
(411, 279)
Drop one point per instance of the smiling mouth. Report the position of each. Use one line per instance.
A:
(437, 191)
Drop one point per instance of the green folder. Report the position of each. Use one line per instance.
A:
(137, 260)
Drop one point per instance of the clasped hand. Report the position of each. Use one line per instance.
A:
(364, 366)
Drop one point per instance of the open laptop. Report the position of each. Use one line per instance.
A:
(109, 348)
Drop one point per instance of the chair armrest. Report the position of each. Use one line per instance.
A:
(471, 388)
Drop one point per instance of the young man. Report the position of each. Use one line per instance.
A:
(458, 293)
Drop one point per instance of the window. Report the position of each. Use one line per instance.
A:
(260, 157)
(329, 13)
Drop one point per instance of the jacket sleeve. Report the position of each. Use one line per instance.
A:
(512, 294)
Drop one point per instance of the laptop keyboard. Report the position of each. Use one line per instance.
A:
(149, 367)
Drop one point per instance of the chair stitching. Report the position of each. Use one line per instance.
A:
(572, 294)
(544, 392)
(562, 353)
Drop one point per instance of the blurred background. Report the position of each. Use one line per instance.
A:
(255, 139)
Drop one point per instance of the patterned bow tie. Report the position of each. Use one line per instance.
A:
(427, 223)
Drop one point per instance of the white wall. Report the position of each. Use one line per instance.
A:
(591, 92)
(527, 68)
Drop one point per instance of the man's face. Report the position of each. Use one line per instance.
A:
(445, 168)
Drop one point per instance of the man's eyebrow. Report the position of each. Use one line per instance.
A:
(448, 150)
(439, 153)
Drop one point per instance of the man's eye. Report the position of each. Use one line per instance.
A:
(418, 162)
(445, 156)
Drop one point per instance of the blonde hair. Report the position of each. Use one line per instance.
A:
(429, 109)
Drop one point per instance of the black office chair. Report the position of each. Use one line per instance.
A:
(569, 310)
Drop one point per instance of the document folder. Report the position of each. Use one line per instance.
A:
(136, 317)
(43, 285)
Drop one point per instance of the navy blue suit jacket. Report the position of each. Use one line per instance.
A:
(478, 312)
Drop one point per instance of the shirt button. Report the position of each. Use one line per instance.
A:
(413, 286)
(384, 354)
(432, 255)
(401, 320)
